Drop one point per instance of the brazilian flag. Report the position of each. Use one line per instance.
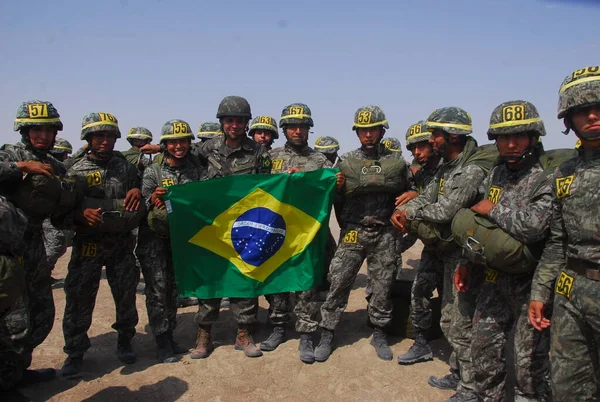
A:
(249, 235)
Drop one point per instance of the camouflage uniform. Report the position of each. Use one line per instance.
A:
(154, 251)
(29, 322)
(107, 179)
(307, 160)
(572, 255)
(455, 187)
(223, 160)
(365, 233)
(12, 284)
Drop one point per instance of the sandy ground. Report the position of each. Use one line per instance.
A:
(352, 373)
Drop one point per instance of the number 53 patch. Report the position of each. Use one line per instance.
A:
(564, 285)
(351, 237)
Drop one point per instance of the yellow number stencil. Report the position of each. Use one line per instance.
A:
(168, 182)
(586, 71)
(441, 192)
(351, 237)
(180, 128)
(415, 129)
(563, 186)
(491, 275)
(364, 117)
(107, 117)
(564, 285)
(89, 250)
(94, 179)
(494, 194)
(513, 112)
(38, 110)
(277, 164)
(296, 110)
(264, 120)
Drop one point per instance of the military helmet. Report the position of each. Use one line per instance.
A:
(139, 133)
(264, 123)
(99, 121)
(234, 106)
(60, 146)
(209, 129)
(581, 88)
(37, 113)
(453, 120)
(327, 145)
(393, 144)
(417, 133)
(369, 116)
(515, 117)
(175, 129)
(296, 113)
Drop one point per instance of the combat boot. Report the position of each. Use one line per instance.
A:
(449, 381)
(164, 353)
(71, 366)
(379, 342)
(204, 345)
(307, 353)
(177, 349)
(323, 350)
(244, 342)
(418, 352)
(30, 377)
(275, 339)
(125, 351)
(458, 397)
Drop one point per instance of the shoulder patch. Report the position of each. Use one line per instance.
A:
(494, 194)
(441, 192)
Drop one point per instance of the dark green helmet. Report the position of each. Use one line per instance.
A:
(296, 113)
(264, 123)
(327, 145)
(453, 120)
(369, 116)
(515, 117)
(37, 113)
(581, 88)
(139, 133)
(175, 129)
(61, 146)
(208, 130)
(234, 106)
(417, 133)
(99, 121)
(393, 144)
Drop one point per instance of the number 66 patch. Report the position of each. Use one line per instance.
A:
(351, 237)
(564, 285)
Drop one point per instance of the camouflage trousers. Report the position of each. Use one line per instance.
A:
(501, 306)
(55, 242)
(31, 319)
(378, 246)
(244, 310)
(154, 255)
(429, 276)
(280, 309)
(90, 253)
(575, 334)
(458, 309)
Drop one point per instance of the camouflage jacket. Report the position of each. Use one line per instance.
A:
(110, 179)
(21, 152)
(165, 175)
(307, 159)
(14, 224)
(575, 222)
(455, 186)
(370, 209)
(137, 159)
(424, 176)
(222, 160)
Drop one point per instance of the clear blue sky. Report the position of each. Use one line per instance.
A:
(151, 61)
